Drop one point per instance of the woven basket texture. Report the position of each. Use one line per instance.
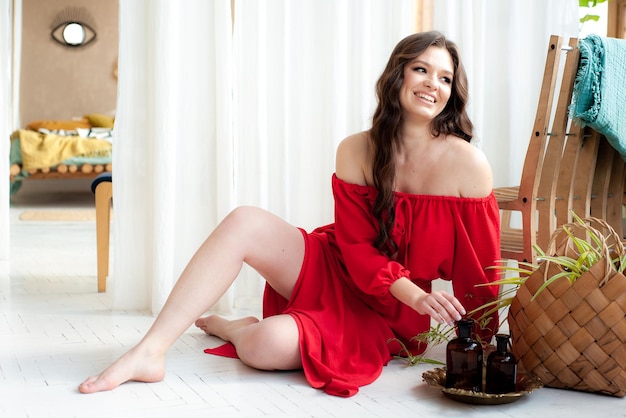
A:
(573, 335)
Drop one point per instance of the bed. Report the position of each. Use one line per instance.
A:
(61, 149)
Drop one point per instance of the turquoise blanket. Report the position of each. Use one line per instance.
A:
(599, 96)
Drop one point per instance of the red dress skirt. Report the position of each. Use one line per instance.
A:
(349, 323)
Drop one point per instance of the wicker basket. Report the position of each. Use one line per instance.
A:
(573, 335)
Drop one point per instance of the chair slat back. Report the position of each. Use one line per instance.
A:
(555, 181)
(533, 163)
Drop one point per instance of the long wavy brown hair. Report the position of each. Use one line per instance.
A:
(387, 122)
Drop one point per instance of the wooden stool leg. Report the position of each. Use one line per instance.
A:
(104, 194)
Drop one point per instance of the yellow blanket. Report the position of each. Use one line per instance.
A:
(48, 150)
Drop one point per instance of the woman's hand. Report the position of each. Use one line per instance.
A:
(439, 305)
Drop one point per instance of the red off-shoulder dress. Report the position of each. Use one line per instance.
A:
(347, 319)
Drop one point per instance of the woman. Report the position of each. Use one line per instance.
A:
(413, 203)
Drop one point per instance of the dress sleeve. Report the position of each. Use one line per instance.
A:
(356, 229)
(477, 249)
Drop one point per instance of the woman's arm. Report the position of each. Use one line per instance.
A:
(470, 169)
(439, 305)
(352, 162)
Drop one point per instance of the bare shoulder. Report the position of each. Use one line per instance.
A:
(353, 159)
(475, 177)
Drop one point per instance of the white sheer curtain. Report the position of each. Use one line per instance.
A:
(503, 45)
(304, 79)
(172, 164)
(301, 78)
(212, 116)
(7, 12)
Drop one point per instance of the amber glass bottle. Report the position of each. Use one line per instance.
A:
(464, 359)
(501, 374)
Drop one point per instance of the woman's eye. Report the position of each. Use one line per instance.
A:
(419, 69)
(447, 80)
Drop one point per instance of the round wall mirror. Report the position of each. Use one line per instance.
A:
(74, 34)
(73, 27)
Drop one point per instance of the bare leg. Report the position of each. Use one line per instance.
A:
(270, 344)
(267, 243)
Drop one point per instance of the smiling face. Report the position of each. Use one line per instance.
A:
(427, 84)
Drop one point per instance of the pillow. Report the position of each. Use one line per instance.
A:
(60, 132)
(56, 125)
(100, 121)
(100, 133)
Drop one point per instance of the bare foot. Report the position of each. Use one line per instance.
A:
(134, 365)
(221, 327)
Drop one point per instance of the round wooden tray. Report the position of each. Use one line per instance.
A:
(525, 384)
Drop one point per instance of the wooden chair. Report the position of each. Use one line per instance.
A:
(102, 187)
(566, 168)
(608, 187)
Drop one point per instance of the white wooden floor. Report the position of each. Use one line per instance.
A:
(55, 330)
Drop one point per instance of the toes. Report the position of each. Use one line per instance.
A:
(202, 322)
(202, 325)
(84, 387)
(88, 385)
